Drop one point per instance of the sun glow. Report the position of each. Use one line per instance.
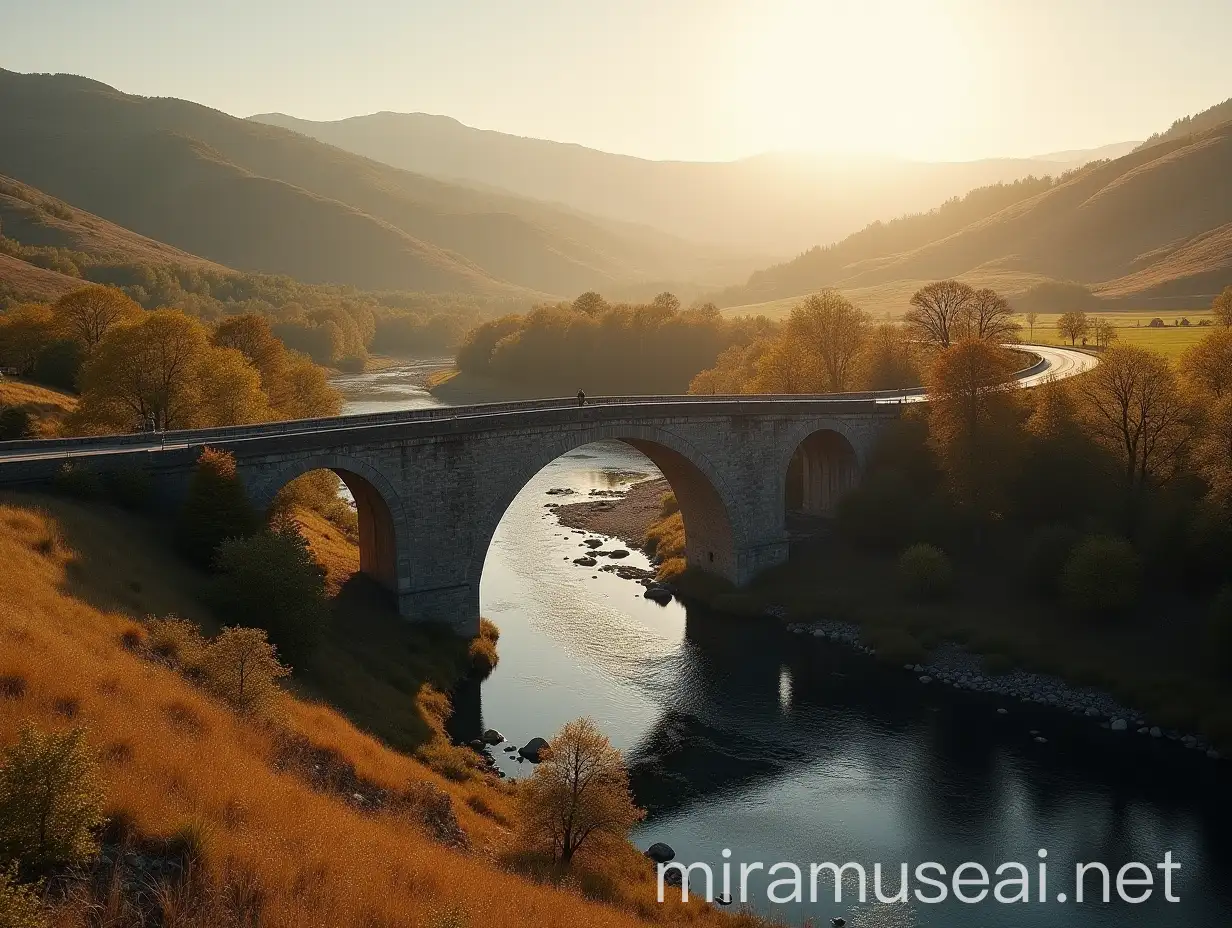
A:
(852, 76)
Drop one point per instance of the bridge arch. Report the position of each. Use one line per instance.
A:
(713, 536)
(823, 461)
(383, 529)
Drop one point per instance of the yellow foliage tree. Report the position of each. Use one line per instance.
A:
(163, 371)
(24, 332)
(828, 327)
(90, 313)
(579, 794)
(1134, 408)
(1207, 366)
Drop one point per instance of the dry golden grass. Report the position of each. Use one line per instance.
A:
(48, 407)
(665, 540)
(174, 758)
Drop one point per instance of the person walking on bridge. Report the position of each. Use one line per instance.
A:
(581, 398)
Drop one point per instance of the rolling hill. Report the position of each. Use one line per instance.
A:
(770, 204)
(260, 198)
(1153, 225)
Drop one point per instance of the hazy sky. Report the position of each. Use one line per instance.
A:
(694, 79)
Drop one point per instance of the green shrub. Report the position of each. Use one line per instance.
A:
(215, 509)
(50, 801)
(925, 573)
(880, 513)
(16, 424)
(271, 581)
(78, 481)
(19, 905)
(1046, 552)
(1102, 576)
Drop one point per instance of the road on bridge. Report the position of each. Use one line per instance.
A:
(1055, 363)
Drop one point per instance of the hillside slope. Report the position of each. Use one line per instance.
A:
(1149, 224)
(772, 203)
(279, 841)
(265, 199)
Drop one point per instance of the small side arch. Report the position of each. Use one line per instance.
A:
(383, 526)
(820, 461)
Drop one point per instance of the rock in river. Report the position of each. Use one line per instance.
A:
(585, 561)
(660, 853)
(659, 594)
(533, 749)
(593, 543)
(618, 553)
(492, 736)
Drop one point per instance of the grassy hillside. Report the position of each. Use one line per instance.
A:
(260, 198)
(47, 407)
(31, 217)
(1189, 125)
(1151, 224)
(770, 204)
(275, 833)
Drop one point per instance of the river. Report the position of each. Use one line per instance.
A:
(786, 748)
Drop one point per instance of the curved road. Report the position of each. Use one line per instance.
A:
(1055, 363)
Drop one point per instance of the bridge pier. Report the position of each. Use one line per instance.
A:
(454, 606)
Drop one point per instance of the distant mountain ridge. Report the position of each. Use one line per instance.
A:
(1153, 224)
(259, 198)
(1188, 125)
(773, 203)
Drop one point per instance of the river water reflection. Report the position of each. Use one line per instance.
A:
(782, 748)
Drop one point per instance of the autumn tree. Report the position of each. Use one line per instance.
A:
(590, 303)
(785, 365)
(1105, 332)
(987, 316)
(579, 794)
(1032, 317)
(1073, 325)
(1213, 453)
(164, 371)
(242, 667)
(87, 315)
(25, 331)
(829, 327)
(1207, 366)
(1134, 408)
(938, 311)
(888, 360)
(971, 420)
(1222, 307)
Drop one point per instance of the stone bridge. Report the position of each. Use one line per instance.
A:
(432, 485)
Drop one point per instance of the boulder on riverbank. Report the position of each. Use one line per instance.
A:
(660, 853)
(534, 750)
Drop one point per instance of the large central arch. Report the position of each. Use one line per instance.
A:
(712, 536)
(382, 521)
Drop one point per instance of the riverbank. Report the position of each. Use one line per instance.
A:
(988, 638)
(455, 388)
(625, 516)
